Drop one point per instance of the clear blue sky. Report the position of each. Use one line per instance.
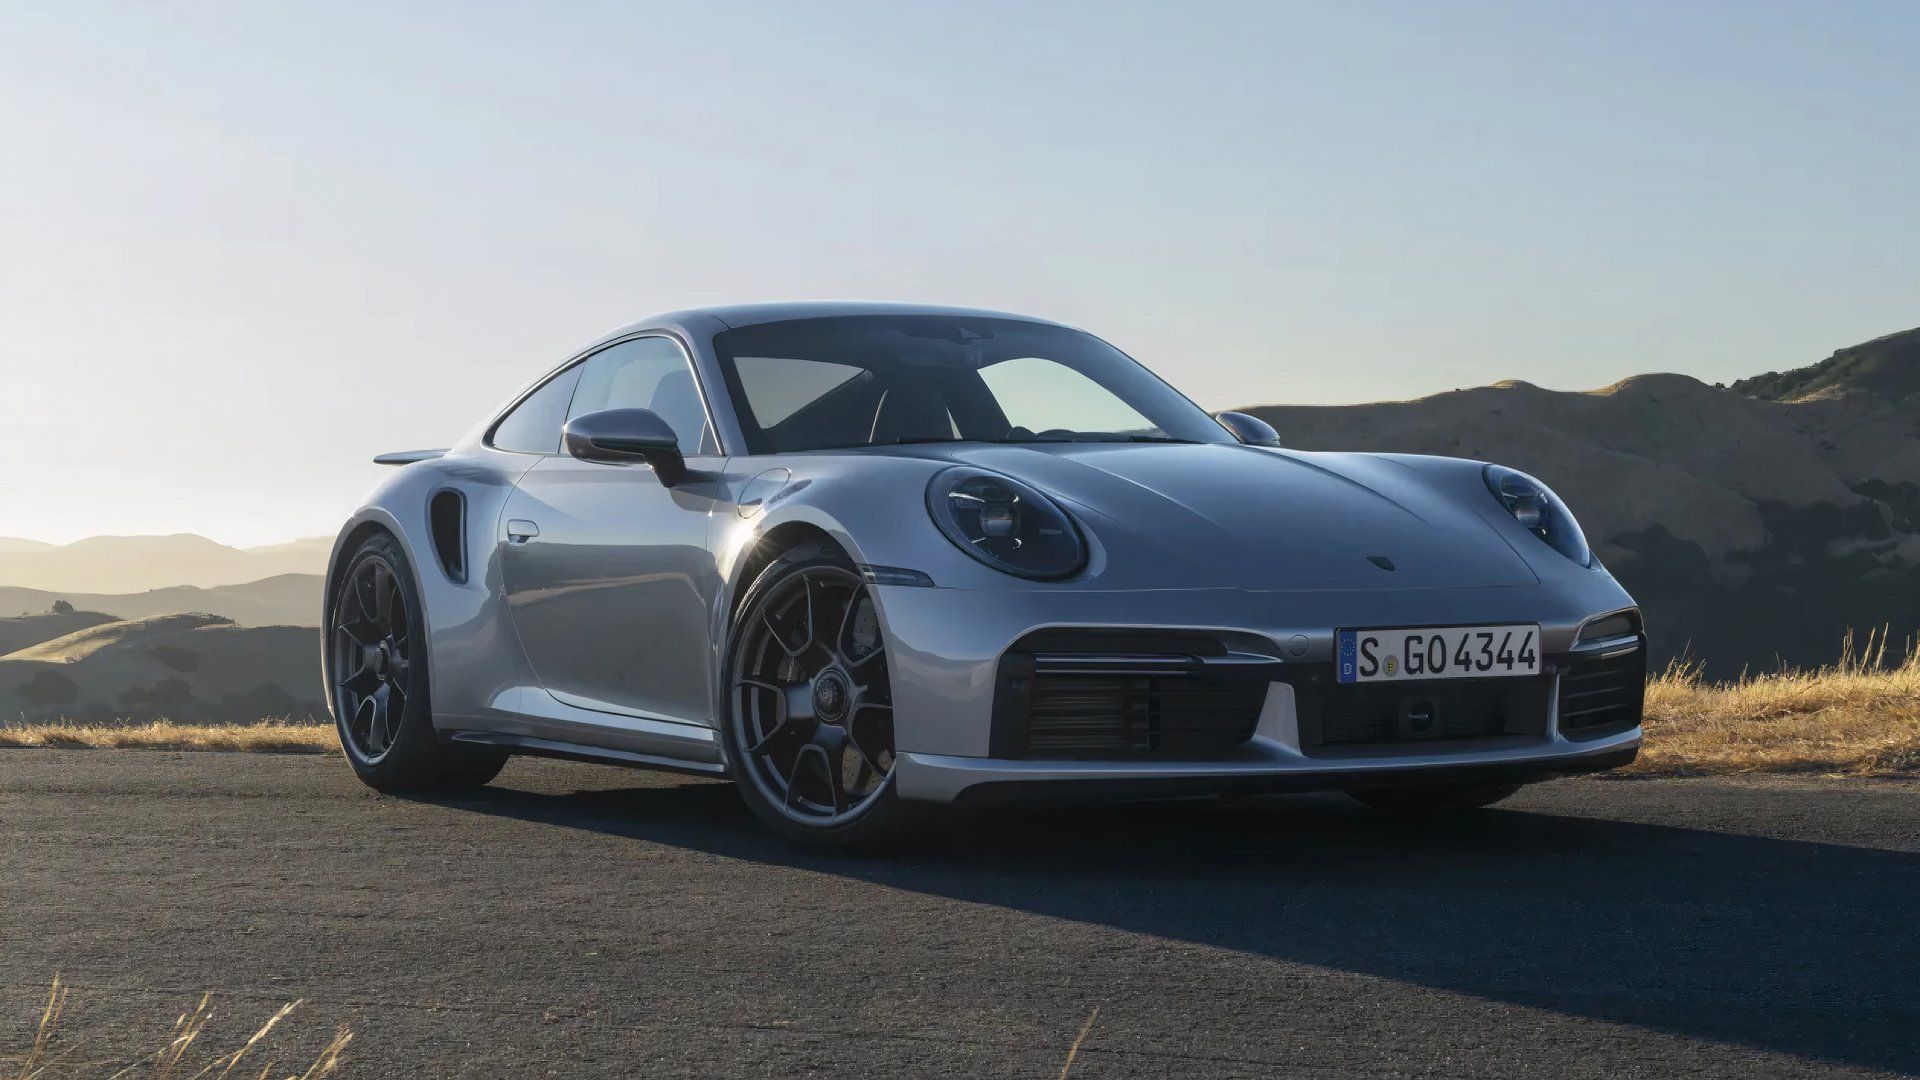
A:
(256, 243)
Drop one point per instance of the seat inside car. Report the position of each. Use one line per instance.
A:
(907, 412)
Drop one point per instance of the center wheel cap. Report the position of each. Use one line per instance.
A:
(830, 696)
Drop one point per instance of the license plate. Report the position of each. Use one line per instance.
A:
(1438, 652)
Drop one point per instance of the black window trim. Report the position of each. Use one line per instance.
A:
(686, 354)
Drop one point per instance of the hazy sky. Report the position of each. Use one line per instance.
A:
(244, 247)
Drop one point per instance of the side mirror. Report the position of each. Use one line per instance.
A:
(625, 436)
(1249, 429)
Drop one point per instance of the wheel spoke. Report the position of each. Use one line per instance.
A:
(362, 681)
(829, 773)
(836, 783)
(808, 585)
(853, 736)
(377, 723)
(780, 726)
(865, 758)
(363, 596)
(780, 637)
(361, 726)
(842, 637)
(783, 726)
(793, 780)
(853, 608)
(352, 633)
(384, 586)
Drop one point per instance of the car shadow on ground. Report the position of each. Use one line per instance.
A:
(1807, 948)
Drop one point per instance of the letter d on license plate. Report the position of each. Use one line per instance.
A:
(1438, 652)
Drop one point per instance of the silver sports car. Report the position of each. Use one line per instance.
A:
(867, 560)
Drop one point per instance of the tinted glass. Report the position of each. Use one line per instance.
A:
(866, 380)
(645, 373)
(776, 388)
(533, 427)
(1038, 394)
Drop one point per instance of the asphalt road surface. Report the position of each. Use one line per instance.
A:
(584, 921)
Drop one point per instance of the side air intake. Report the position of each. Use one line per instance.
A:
(447, 520)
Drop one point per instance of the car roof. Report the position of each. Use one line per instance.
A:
(738, 315)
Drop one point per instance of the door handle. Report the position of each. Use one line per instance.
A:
(519, 531)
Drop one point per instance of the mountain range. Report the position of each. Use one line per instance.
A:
(281, 600)
(129, 564)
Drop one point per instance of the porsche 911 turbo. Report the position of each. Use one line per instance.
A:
(868, 560)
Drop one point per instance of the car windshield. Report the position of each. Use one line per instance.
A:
(876, 380)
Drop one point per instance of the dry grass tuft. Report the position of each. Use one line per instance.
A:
(266, 736)
(1859, 717)
(1074, 1051)
(184, 1056)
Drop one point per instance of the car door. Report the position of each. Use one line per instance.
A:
(607, 571)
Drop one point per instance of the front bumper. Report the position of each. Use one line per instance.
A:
(1266, 767)
(947, 649)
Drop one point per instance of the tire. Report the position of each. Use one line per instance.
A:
(380, 686)
(802, 798)
(1435, 799)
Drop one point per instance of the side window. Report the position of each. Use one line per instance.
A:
(645, 373)
(533, 427)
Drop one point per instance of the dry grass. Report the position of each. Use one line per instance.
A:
(1859, 717)
(266, 736)
(184, 1055)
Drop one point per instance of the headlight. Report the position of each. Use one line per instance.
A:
(1539, 511)
(1004, 523)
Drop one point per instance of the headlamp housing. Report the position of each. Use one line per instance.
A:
(1539, 511)
(1005, 524)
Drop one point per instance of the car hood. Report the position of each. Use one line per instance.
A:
(1257, 518)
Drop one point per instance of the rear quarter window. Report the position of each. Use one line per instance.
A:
(533, 427)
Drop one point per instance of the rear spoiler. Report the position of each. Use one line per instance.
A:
(408, 457)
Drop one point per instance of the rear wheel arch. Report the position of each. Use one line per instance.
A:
(344, 550)
(414, 756)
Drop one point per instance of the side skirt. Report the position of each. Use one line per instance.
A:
(597, 755)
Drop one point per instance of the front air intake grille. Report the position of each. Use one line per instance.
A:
(1603, 693)
(1126, 694)
(1365, 714)
(1174, 716)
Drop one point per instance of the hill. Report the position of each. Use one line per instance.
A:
(283, 600)
(1886, 368)
(1752, 529)
(128, 564)
(25, 631)
(190, 667)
